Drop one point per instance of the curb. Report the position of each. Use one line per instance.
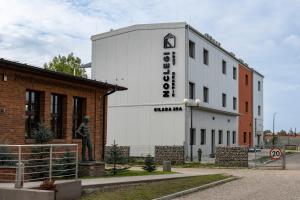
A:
(195, 189)
(114, 184)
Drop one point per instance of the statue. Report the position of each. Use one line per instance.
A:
(84, 132)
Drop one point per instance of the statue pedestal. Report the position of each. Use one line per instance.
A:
(94, 169)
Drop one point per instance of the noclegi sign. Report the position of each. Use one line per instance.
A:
(169, 61)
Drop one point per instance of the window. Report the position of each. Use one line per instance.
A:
(32, 112)
(203, 137)
(224, 100)
(57, 115)
(205, 56)
(228, 138)
(246, 106)
(234, 103)
(234, 73)
(192, 136)
(220, 136)
(192, 49)
(233, 137)
(245, 137)
(246, 79)
(191, 90)
(223, 66)
(258, 85)
(258, 110)
(79, 109)
(249, 137)
(205, 94)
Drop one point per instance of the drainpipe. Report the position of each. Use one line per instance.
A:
(104, 119)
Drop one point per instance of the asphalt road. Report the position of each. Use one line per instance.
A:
(254, 184)
(293, 162)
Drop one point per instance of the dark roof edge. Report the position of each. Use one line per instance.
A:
(58, 75)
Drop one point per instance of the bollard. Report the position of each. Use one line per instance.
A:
(167, 166)
(19, 175)
(283, 160)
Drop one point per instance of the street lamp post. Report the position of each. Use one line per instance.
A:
(191, 104)
(273, 140)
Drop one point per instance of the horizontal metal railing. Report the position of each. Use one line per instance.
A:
(37, 162)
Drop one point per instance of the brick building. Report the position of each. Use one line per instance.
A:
(29, 95)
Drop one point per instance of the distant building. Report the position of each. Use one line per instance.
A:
(162, 65)
(31, 95)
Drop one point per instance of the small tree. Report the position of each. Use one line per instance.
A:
(115, 156)
(149, 164)
(39, 165)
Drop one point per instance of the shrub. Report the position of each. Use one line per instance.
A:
(7, 159)
(65, 166)
(149, 164)
(42, 134)
(199, 154)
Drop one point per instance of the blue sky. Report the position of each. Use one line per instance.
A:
(266, 34)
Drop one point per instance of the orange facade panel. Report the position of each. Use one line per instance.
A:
(245, 106)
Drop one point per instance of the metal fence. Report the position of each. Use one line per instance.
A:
(26, 163)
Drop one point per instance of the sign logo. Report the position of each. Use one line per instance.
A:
(275, 153)
(169, 41)
(169, 61)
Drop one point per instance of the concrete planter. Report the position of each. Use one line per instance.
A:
(65, 190)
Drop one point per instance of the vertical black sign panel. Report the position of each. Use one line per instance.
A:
(169, 61)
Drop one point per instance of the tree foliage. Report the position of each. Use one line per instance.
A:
(69, 64)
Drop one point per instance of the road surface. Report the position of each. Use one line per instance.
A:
(254, 184)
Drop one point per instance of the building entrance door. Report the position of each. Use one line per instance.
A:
(213, 144)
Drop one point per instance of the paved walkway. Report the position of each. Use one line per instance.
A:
(254, 185)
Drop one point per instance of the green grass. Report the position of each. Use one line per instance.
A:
(137, 173)
(131, 173)
(155, 189)
(197, 165)
(262, 159)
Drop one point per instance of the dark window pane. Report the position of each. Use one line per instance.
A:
(223, 66)
(191, 90)
(79, 106)
(205, 56)
(32, 112)
(192, 49)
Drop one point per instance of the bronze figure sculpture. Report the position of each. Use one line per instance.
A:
(84, 132)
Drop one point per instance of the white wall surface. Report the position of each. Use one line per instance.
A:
(204, 120)
(258, 100)
(211, 75)
(133, 58)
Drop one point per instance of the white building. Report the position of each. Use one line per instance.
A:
(162, 65)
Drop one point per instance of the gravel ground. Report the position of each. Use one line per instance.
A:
(254, 184)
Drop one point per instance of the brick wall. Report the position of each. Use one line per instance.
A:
(232, 156)
(175, 154)
(245, 95)
(7, 174)
(12, 107)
